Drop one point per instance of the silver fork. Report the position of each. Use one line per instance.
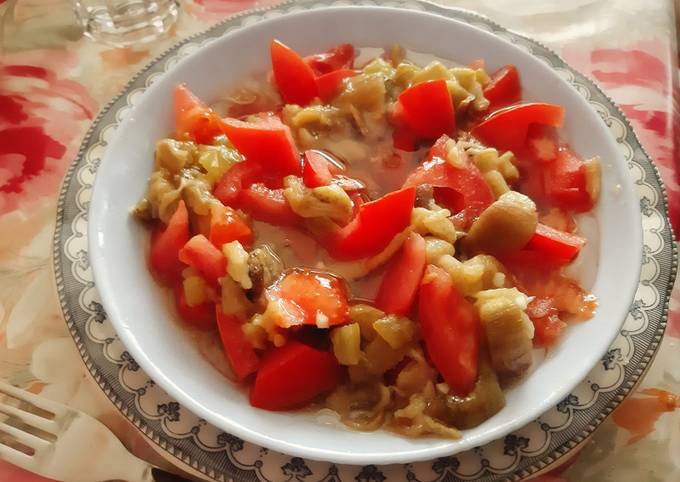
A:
(55, 441)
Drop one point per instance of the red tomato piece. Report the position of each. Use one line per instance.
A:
(475, 195)
(237, 178)
(450, 328)
(373, 228)
(166, 244)
(267, 143)
(201, 317)
(193, 119)
(538, 276)
(565, 182)
(316, 169)
(449, 198)
(357, 200)
(204, 257)
(546, 321)
(309, 298)
(294, 78)
(337, 58)
(541, 145)
(426, 109)
(402, 277)
(240, 353)
(556, 245)
(518, 261)
(185, 103)
(268, 205)
(404, 139)
(227, 226)
(504, 88)
(532, 183)
(506, 129)
(293, 375)
(329, 84)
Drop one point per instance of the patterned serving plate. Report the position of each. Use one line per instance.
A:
(192, 441)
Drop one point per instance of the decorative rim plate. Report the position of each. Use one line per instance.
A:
(192, 441)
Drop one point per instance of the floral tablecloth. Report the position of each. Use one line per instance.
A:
(53, 81)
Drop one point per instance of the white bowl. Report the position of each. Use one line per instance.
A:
(609, 265)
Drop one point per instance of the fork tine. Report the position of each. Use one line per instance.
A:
(30, 419)
(16, 457)
(20, 394)
(28, 439)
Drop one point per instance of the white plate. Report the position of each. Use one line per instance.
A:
(133, 301)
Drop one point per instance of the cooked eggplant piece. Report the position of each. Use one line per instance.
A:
(485, 400)
(346, 342)
(435, 248)
(326, 201)
(508, 331)
(436, 221)
(395, 330)
(365, 315)
(360, 406)
(238, 263)
(505, 226)
(264, 267)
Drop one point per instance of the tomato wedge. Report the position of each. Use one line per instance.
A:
(373, 228)
(546, 321)
(237, 348)
(292, 376)
(227, 226)
(402, 277)
(537, 276)
(565, 182)
(239, 177)
(241, 187)
(336, 58)
(201, 317)
(473, 194)
(506, 129)
(193, 119)
(329, 84)
(426, 109)
(309, 298)
(204, 257)
(294, 78)
(541, 145)
(404, 139)
(267, 143)
(504, 88)
(557, 246)
(450, 328)
(166, 244)
(316, 169)
(268, 205)
(532, 183)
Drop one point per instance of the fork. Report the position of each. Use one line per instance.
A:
(52, 440)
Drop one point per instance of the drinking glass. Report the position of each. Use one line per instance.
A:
(126, 22)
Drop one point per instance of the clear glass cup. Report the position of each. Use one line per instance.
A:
(126, 22)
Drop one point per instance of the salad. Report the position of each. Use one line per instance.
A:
(379, 238)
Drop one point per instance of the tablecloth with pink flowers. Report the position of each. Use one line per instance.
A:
(53, 81)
